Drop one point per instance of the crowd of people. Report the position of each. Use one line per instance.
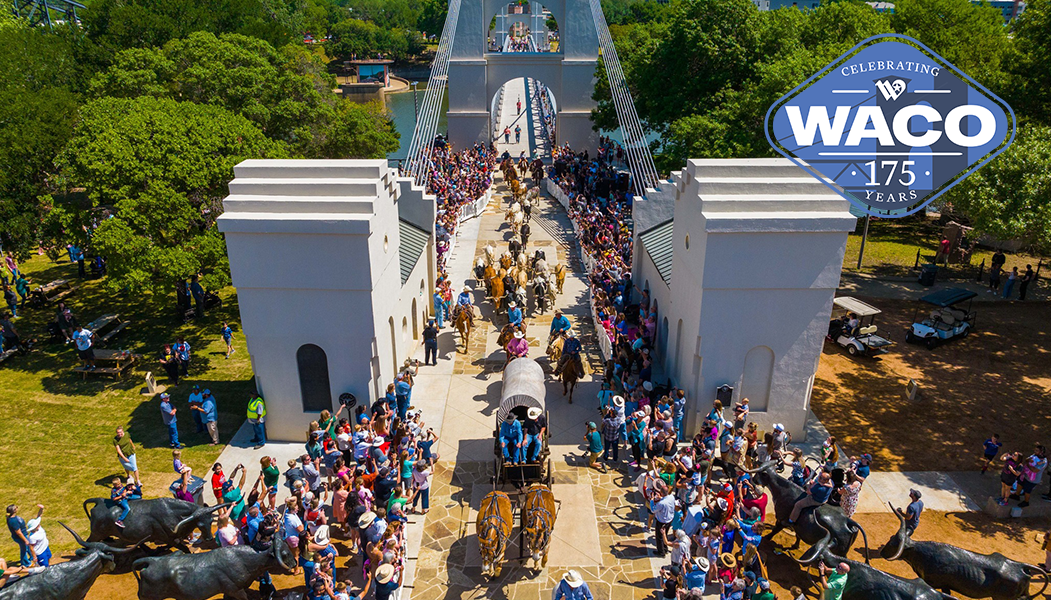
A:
(456, 179)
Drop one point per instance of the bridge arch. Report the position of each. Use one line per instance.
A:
(495, 7)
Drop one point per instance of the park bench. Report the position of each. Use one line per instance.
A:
(113, 363)
(51, 292)
(106, 328)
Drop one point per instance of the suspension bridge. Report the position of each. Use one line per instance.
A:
(557, 87)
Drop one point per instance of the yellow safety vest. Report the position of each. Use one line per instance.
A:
(256, 408)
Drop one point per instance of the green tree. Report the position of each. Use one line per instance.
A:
(1029, 88)
(365, 39)
(286, 92)
(970, 36)
(162, 168)
(1010, 198)
(432, 17)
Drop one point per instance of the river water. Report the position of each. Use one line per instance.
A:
(404, 114)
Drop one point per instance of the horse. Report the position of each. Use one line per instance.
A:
(569, 377)
(493, 527)
(554, 347)
(506, 333)
(560, 276)
(463, 320)
(538, 521)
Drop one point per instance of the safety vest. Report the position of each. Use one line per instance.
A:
(256, 408)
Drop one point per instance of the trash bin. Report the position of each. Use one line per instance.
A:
(928, 273)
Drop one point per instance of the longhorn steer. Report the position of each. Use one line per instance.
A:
(813, 522)
(228, 571)
(868, 583)
(68, 580)
(948, 567)
(122, 558)
(161, 521)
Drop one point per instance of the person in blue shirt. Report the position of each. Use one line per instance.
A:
(560, 324)
(464, 299)
(511, 439)
(228, 338)
(570, 351)
(17, 526)
(514, 314)
(817, 495)
(572, 587)
(168, 416)
(439, 311)
(990, 449)
(119, 496)
(860, 466)
(680, 413)
(209, 415)
(402, 395)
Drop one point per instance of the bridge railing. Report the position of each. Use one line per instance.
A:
(604, 343)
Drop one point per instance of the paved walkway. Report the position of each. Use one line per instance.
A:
(517, 90)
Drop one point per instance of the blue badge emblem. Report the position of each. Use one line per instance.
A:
(890, 125)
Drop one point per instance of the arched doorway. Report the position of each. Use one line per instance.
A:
(314, 385)
(756, 377)
(677, 359)
(523, 113)
(523, 26)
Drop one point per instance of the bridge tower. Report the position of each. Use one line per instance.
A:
(476, 75)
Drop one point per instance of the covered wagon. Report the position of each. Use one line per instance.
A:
(523, 389)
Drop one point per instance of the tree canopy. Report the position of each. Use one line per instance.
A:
(160, 168)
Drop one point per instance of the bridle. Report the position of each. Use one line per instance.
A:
(545, 518)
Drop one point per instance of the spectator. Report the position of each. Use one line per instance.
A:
(198, 296)
(209, 415)
(662, 514)
(170, 363)
(430, 344)
(17, 526)
(421, 482)
(85, 341)
(38, 539)
(168, 416)
(1023, 285)
(572, 587)
(126, 454)
(990, 449)
(912, 512)
(195, 403)
(11, 300)
(228, 338)
(182, 353)
(832, 585)
(1009, 285)
(594, 443)
(257, 416)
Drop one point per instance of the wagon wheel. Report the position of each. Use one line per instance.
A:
(498, 476)
(549, 477)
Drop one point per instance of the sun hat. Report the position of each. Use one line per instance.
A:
(519, 335)
(534, 412)
(779, 427)
(618, 401)
(385, 573)
(573, 579)
(647, 385)
(727, 560)
(321, 535)
(366, 519)
(32, 524)
(722, 503)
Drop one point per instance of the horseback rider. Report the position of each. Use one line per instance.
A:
(514, 314)
(464, 299)
(559, 325)
(511, 439)
(570, 351)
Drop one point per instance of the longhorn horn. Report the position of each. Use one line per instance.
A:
(768, 464)
(197, 514)
(818, 550)
(79, 539)
(112, 550)
(900, 536)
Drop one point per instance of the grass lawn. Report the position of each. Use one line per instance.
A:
(56, 442)
(892, 245)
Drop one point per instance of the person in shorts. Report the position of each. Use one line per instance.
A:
(990, 449)
(85, 340)
(126, 454)
(1009, 475)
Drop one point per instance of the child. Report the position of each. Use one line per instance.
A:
(341, 591)
(119, 495)
(991, 448)
(180, 468)
(228, 337)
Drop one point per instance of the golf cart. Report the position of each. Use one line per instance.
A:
(946, 321)
(862, 339)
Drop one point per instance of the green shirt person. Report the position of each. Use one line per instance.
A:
(833, 582)
(232, 493)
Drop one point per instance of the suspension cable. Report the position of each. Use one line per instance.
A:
(640, 161)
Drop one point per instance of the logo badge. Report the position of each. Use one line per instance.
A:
(890, 125)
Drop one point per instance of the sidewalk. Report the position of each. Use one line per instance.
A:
(909, 288)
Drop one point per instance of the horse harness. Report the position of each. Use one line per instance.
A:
(487, 524)
(547, 520)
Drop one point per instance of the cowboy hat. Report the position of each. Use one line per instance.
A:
(533, 413)
(512, 305)
(702, 563)
(465, 289)
(571, 333)
(647, 385)
(321, 535)
(727, 560)
(510, 417)
(573, 579)
(366, 519)
(385, 573)
(618, 401)
(519, 335)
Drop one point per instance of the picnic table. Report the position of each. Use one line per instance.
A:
(51, 292)
(106, 328)
(109, 362)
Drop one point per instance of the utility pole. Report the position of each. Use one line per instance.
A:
(864, 236)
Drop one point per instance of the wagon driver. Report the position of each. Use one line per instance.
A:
(534, 428)
(570, 351)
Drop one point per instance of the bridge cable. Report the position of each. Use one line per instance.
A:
(640, 160)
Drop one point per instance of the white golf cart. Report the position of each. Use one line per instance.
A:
(946, 321)
(862, 339)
